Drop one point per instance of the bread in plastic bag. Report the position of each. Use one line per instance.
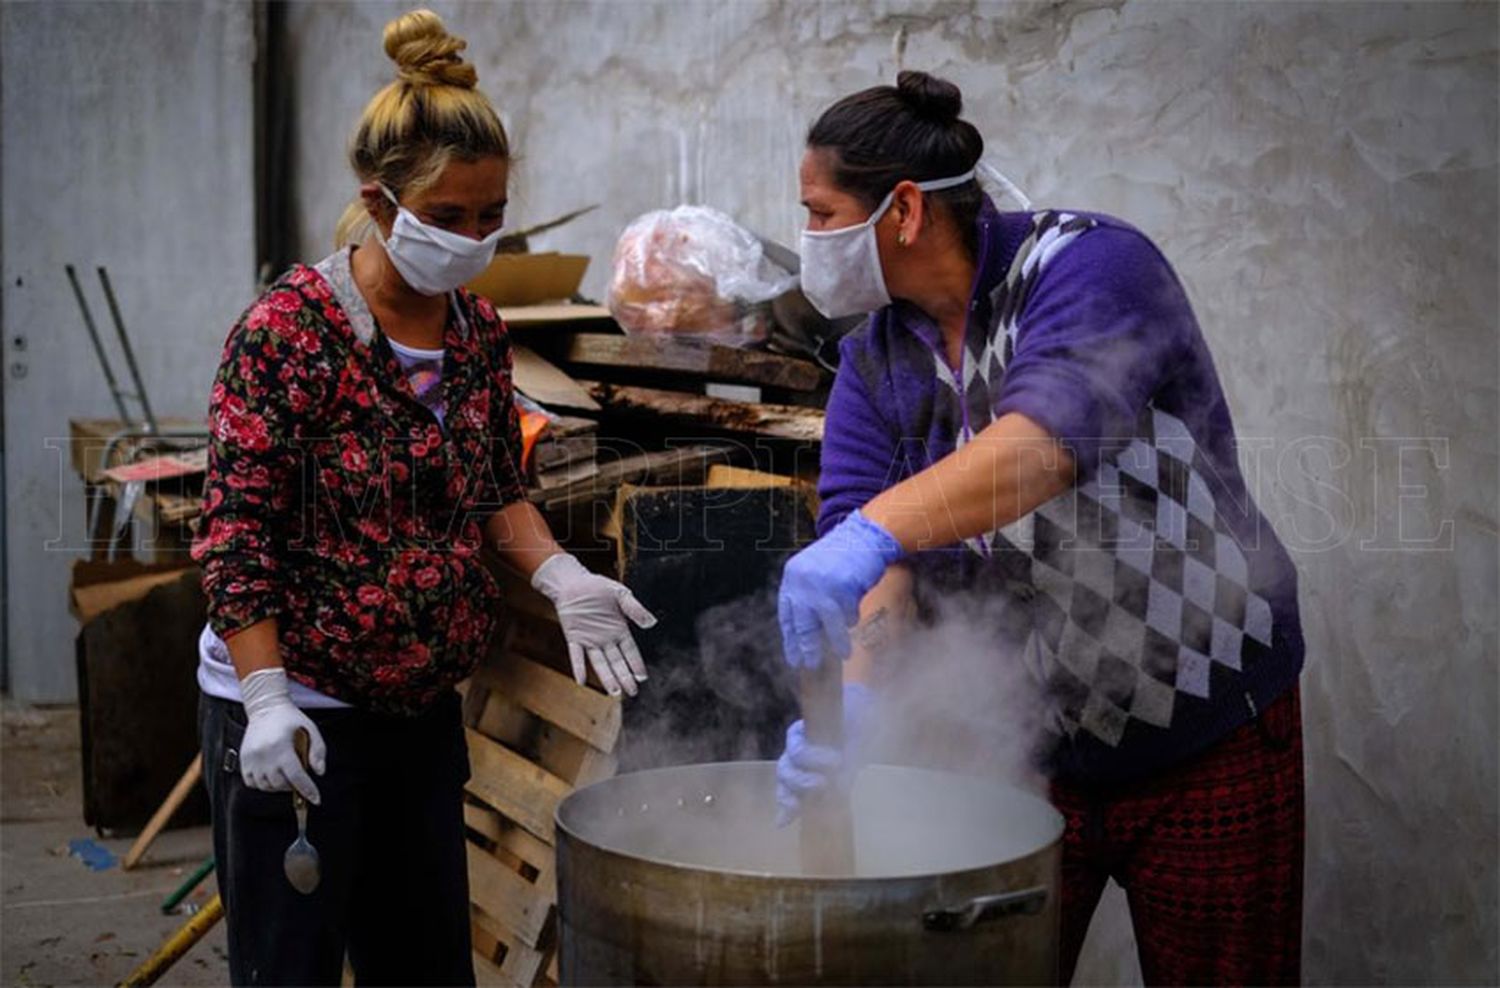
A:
(693, 272)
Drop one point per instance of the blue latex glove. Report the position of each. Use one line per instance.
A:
(804, 768)
(823, 584)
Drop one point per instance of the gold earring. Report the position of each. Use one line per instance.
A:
(900, 239)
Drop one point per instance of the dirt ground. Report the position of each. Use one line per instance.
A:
(60, 922)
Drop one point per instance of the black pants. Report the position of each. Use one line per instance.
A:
(390, 840)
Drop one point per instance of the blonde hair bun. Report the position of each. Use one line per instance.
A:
(425, 53)
(430, 114)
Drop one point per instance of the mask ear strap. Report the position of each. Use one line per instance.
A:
(938, 184)
(933, 185)
(995, 175)
(389, 194)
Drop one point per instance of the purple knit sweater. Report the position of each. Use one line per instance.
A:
(1153, 601)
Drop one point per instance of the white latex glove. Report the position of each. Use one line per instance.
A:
(593, 610)
(268, 755)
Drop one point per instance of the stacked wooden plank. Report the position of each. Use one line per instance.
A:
(534, 735)
(693, 359)
(565, 453)
(775, 421)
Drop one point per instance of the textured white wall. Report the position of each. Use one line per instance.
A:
(1324, 178)
(127, 143)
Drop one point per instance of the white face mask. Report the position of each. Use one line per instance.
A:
(841, 273)
(434, 261)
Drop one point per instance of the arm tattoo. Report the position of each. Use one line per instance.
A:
(874, 632)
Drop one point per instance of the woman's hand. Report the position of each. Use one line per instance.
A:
(593, 611)
(822, 585)
(805, 768)
(268, 754)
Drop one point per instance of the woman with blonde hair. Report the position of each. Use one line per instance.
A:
(365, 445)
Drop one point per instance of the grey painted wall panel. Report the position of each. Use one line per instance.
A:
(127, 143)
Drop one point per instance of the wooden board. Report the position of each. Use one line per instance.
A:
(518, 964)
(171, 508)
(558, 315)
(592, 717)
(533, 736)
(523, 791)
(525, 852)
(757, 419)
(567, 439)
(517, 904)
(543, 381)
(707, 361)
(566, 474)
(685, 465)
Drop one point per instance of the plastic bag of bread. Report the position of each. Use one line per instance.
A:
(693, 272)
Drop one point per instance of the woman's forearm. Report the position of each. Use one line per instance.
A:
(255, 648)
(521, 536)
(1011, 468)
(884, 614)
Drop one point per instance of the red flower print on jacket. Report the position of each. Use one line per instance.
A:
(335, 503)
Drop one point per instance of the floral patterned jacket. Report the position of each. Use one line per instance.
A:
(336, 503)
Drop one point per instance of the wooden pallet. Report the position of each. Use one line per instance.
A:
(694, 359)
(534, 735)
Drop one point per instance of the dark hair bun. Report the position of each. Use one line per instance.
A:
(930, 97)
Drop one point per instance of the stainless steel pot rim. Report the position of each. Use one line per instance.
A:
(1055, 827)
(782, 880)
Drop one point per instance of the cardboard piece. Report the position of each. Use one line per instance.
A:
(706, 560)
(527, 279)
(720, 476)
(99, 587)
(137, 697)
(725, 475)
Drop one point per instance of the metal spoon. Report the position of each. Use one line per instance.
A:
(301, 861)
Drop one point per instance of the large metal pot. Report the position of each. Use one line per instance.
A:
(678, 876)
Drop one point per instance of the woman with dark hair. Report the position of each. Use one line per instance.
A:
(1032, 414)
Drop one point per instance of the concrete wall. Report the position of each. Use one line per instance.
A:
(127, 143)
(1324, 177)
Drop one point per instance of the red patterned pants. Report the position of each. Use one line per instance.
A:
(1209, 855)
